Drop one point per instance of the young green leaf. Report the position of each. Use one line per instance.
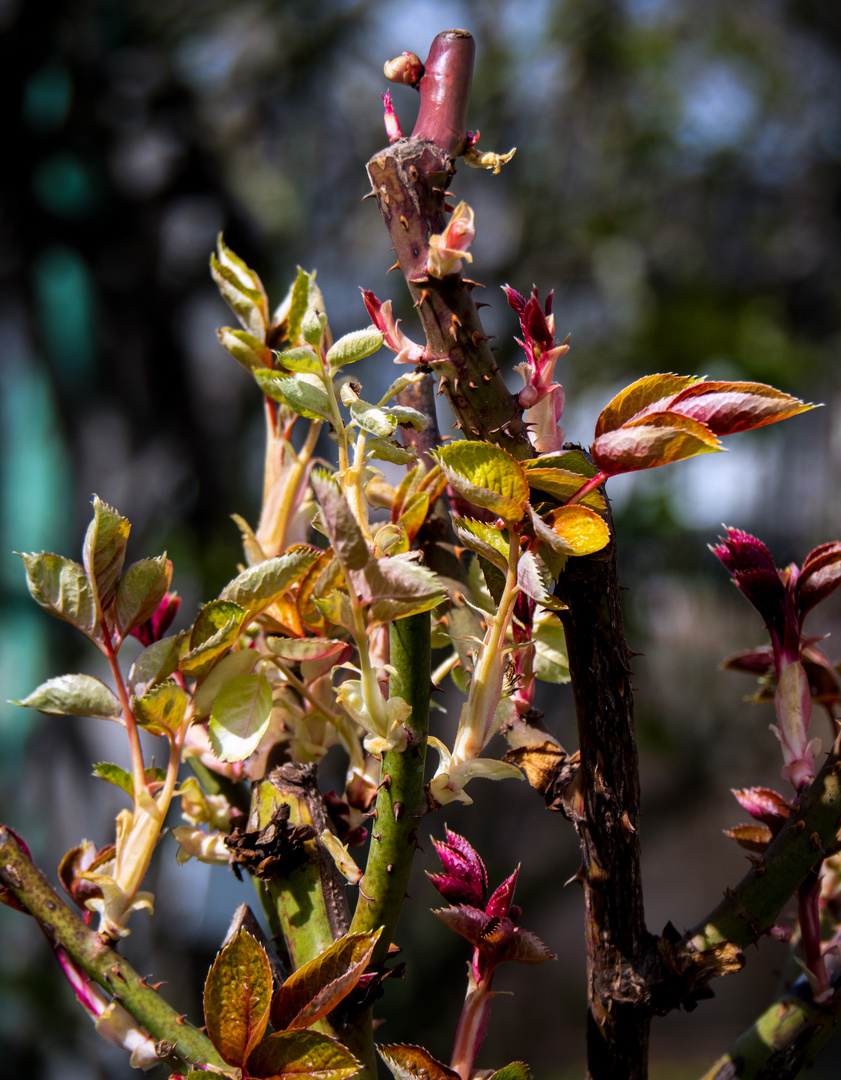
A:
(654, 439)
(245, 348)
(302, 397)
(408, 1062)
(61, 587)
(294, 307)
(562, 475)
(74, 695)
(104, 550)
(241, 662)
(113, 774)
(517, 1070)
(551, 663)
(354, 346)
(487, 476)
(413, 514)
(140, 590)
(237, 998)
(563, 484)
(161, 709)
(389, 450)
(156, 662)
(241, 713)
(378, 422)
(214, 631)
(260, 585)
(241, 290)
(302, 1055)
(341, 526)
(316, 989)
(401, 383)
(484, 539)
(302, 359)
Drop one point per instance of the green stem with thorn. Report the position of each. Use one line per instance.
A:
(400, 801)
(100, 962)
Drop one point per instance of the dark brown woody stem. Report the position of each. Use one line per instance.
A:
(410, 180)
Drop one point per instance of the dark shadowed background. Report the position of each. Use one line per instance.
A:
(678, 184)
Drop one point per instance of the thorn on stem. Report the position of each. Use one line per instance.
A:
(394, 266)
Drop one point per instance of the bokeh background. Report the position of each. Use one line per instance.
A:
(678, 184)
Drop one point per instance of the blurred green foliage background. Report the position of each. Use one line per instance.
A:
(678, 184)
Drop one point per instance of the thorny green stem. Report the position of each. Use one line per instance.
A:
(782, 1041)
(752, 908)
(175, 1037)
(400, 800)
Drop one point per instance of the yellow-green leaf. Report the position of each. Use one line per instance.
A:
(245, 348)
(162, 709)
(306, 400)
(483, 538)
(640, 395)
(241, 713)
(517, 1070)
(260, 585)
(354, 346)
(302, 359)
(214, 631)
(237, 998)
(487, 476)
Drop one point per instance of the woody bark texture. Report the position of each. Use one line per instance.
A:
(410, 180)
(604, 804)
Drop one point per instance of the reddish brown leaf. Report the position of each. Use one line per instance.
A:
(237, 996)
(728, 407)
(414, 1063)
(654, 439)
(820, 575)
(317, 988)
(755, 838)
